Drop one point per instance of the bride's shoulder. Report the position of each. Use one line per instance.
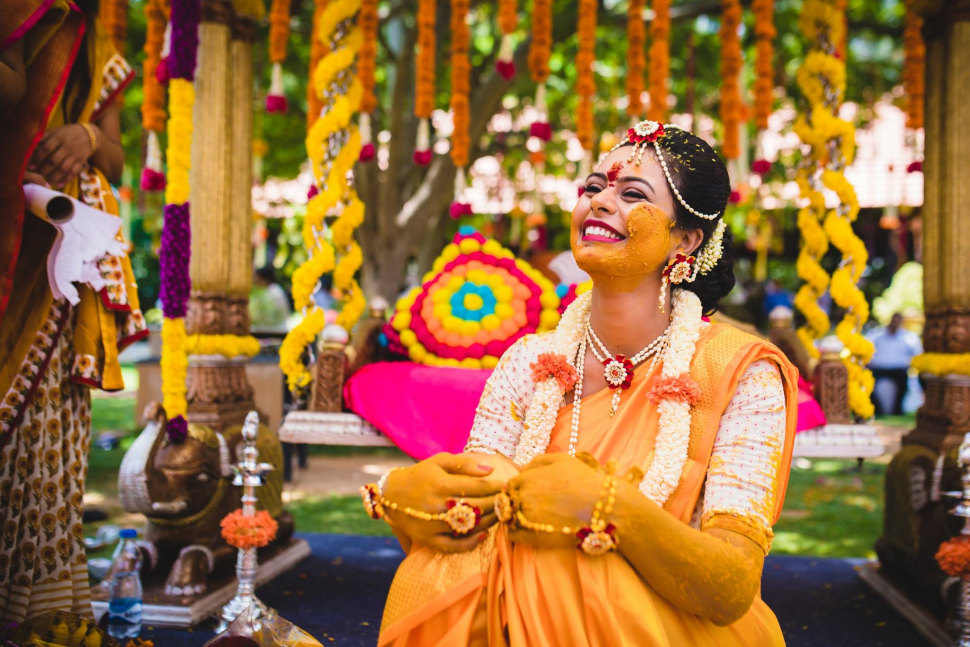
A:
(526, 349)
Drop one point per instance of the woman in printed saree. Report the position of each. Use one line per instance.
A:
(53, 348)
(623, 472)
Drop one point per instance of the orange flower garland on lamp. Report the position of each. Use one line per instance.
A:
(659, 60)
(585, 83)
(153, 106)
(244, 532)
(279, 33)
(507, 20)
(424, 88)
(366, 58)
(539, 53)
(730, 69)
(460, 89)
(636, 39)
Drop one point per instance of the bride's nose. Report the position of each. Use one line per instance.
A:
(603, 202)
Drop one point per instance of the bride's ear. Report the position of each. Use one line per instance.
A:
(687, 241)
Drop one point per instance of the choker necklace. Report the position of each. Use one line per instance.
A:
(618, 370)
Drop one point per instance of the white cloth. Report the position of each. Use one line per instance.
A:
(894, 351)
(743, 470)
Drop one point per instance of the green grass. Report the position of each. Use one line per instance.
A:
(831, 509)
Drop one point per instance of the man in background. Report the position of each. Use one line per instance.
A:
(895, 349)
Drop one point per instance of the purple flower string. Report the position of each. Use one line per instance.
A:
(186, 16)
(174, 254)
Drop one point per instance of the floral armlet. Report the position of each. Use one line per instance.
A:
(460, 517)
(742, 524)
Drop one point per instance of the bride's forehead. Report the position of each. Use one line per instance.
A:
(617, 163)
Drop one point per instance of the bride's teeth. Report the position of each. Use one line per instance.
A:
(602, 232)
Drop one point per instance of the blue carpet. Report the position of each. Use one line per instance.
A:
(337, 595)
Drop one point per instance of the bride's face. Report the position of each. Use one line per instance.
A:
(623, 227)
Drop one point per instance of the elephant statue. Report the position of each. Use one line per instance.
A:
(184, 488)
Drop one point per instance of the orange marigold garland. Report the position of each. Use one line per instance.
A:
(659, 60)
(460, 90)
(424, 86)
(954, 556)
(153, 105)
(764, 84)
(244, 532)
(279, 33)
(636, 62)
(114, 16)
(914, 62)
(366, 60)
(731, 107)
(539, 52)
(317, 52)
(585, 82)
(508, 20)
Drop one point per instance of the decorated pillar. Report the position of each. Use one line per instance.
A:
(219, 394)
(945, 365)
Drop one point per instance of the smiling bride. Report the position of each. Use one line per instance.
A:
(623, 471)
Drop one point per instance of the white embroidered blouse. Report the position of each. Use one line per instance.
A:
(743, 471)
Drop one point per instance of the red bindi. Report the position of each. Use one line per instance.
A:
(614, 172)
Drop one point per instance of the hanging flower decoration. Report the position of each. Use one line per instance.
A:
(731, 104)
(279, 34)
(539, 52)
(508, 19)
(241, 531)
(659, 60)
(460, 90)
(764, 70)
(914, 67)
(339, 32)
(832, 142)
(175, 250)
(114, 16)
(153, 105)
(366, 59)
(474, 304)
(424, 85)
(585, 82)
(317, 51)
(636, 63)
(225, 345)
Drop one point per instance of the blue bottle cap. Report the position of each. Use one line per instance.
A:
(128, 533)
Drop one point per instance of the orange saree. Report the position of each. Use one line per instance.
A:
(507, 594)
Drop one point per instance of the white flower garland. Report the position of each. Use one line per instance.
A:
(673, 437)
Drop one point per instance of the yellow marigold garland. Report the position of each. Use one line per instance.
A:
(943, 363)
(341, 254)
(175, 367)
(181, 97)
(585, 81)
(832, 140)
(731, 106)
(225, 345)
(659, 60)
(764, 84)
(636, 62)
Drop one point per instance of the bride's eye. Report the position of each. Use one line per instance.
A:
(592, 188)
(634, 195)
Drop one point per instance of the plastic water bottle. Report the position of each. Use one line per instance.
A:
(125, 604)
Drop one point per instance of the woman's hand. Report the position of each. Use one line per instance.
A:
(556, 489)
(61, 154)
(429, 486)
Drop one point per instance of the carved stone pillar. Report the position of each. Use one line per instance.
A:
(942, 421)
(831, 382)
(330, 370)
(219, 393)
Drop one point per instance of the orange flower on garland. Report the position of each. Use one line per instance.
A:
(681, 388)
(508, 19)
(659, 60)
(114, 16)
(424, 86)
(366, 58)
(460, 81)
(636, 39)
(279, 33)
(554, 365)
(954, 556)
(317, 51)
(914, 67)
(541, 47)
(153, 105)
(731, 107)
(764, 84)
(241, 531)
(585, 83)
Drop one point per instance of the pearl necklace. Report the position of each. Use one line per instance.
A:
(618, 370)
(656, 348)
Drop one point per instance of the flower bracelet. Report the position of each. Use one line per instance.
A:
(460, 516)
(598, 538)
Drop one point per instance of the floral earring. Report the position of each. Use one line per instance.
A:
(678, 270)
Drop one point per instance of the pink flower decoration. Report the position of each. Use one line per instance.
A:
(681, 388)
(542, 130)
(459, 209)
(422, 157)
(506, 69)
(735, 197)
(366, 152)
(152, 180)
(915, 167)
(312, 193)
(580, 190)
(161, 71)
(275, 103)
(760, 166)
(556, 366)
